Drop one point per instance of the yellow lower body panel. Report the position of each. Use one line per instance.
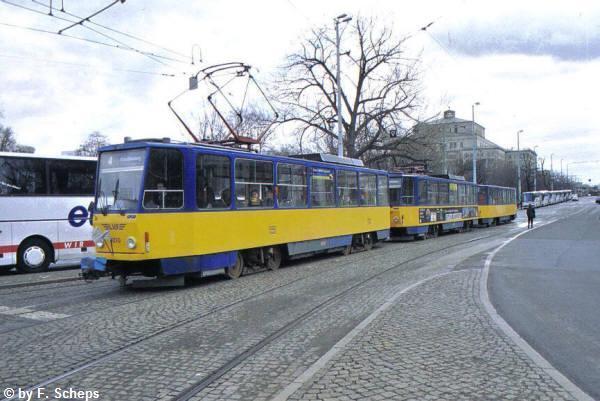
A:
(200, 233)
(493, 211)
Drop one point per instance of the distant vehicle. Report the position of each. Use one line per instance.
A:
(598, 200)
(44, 210)
(545, 198)
(575, 197)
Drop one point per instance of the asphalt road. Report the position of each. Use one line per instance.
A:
(546, 285)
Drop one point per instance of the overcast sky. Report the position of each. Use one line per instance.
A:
(533, 65)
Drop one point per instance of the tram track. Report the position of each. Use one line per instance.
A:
(215, 375)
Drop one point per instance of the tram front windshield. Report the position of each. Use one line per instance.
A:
(120, 180)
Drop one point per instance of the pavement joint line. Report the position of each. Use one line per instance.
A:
(538, 359)
(338, 347)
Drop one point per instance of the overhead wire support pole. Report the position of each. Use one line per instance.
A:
(88, 17)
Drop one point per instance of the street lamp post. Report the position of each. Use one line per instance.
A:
(337, 20)
(474, 142)
(518, 167)
(535, 169)
(551, 178)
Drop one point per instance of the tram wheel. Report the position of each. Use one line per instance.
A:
(237, 270)
(368, 241)
(347, 250)
(274, 258)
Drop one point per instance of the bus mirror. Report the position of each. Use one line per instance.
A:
(91, 212)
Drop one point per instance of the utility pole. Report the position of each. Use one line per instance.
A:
(337, 20)
(535, 169)
(551, 178)
(474, 142)
(518, 168)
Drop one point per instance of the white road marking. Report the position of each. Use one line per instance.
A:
(31, 314)
(539, 360)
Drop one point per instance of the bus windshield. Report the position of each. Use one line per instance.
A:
(120, 180)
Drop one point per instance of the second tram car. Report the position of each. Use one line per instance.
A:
(425, 206)
(165, 209)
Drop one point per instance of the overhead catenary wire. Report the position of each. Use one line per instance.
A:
(82, 20)
(126, 34)
(120, 45)
(97, 42)
(68, 63)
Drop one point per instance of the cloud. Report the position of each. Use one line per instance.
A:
(565, 34)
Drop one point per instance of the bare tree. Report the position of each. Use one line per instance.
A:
(252, 122)
(8, 143)
(379, 91)
(93, 142)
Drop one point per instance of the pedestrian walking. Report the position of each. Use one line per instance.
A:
(530, 215)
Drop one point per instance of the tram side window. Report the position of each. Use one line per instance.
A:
(443, 193)
(382, 191)
(408, 197)
(253, 183)
(291, 185)
(482, 196)
(213, 183)
(163, 187)
(453, 194)
(22, 176)
(347, 188)
(368, 189)
(432, 193)
(422, 192)
(462, 198)
(322, 188)
(72, 177)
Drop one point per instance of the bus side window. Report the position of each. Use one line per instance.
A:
(22, 176)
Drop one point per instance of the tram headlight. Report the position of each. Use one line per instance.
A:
(99, 244)
(131, 242)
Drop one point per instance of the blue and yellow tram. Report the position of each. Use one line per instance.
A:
(496, 204)
(166, 209)
(423, 206)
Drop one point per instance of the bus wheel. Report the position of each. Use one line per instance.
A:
(274, 257)
(368, 241)
(34, 256)
(236, 270)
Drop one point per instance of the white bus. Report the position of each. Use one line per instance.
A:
(44, 210)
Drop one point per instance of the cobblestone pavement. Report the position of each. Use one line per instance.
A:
(435, 343)
(102, 319)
